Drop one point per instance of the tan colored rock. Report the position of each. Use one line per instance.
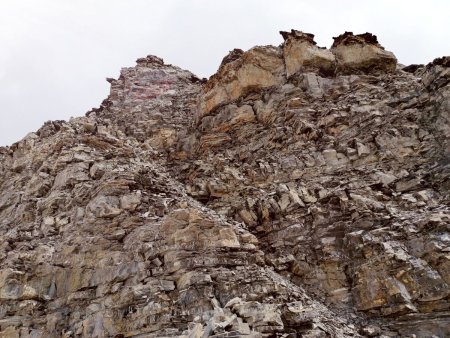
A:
(256, 69)
(213, 140)
(362, 54)
(72, 174)
(10, 332)
(259, 316)
(296, 314)
(301, 53)
(197, 331)
(104, 206)
(163, 138)
(229, 118)
(130, 201)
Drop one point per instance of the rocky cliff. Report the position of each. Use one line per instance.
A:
(299, 192)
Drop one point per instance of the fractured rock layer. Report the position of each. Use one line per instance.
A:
(300, 192)
(256, 69)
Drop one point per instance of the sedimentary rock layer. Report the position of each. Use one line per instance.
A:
(299, 192)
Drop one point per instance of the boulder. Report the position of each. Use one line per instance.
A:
(362, 53)
(259, 68)
(302, 54)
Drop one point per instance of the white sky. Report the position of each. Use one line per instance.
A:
(56, 54)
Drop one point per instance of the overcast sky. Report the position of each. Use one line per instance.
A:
(56, 54)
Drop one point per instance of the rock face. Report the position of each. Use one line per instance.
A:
(291, 195)
(256, 69)
(361, 54)
(301, 54)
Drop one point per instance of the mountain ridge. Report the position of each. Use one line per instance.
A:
(299, 192)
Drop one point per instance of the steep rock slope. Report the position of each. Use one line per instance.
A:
(299, 192)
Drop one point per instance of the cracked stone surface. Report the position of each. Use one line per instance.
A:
(299, 192)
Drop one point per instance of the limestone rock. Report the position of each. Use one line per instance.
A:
(362, 54)
(256, 69)
(301, 54)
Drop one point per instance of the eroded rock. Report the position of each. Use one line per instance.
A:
(256, 69)
(362, 53)
(311, 205)
(301, 54)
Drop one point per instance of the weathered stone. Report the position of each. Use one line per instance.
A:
(229, 118)
(301, 54)
(255, 204)
(361, 54)
(256, 69)
(130, 201)
(104, 206)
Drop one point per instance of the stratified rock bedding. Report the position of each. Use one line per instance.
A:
(299, 192)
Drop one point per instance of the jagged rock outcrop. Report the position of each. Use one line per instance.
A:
(301, 54)
(256, 69)
(361, 54)
(278, 199)
(265, 67)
